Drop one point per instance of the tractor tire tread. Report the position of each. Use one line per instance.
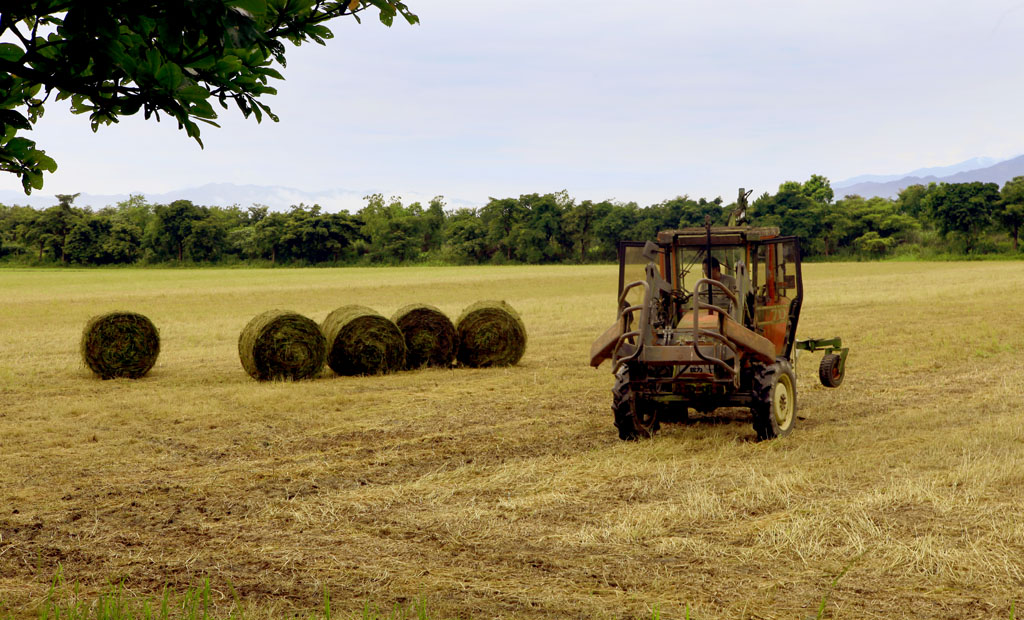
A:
(829, 371)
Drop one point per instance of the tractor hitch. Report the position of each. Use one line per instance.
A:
(833, 366)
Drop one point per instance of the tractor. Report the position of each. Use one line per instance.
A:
(707, 318)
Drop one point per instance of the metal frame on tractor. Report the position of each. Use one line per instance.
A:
(685, 339)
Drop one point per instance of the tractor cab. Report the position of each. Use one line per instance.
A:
(756, 274)
(707, 318)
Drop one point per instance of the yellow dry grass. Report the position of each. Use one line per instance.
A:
(505, 492)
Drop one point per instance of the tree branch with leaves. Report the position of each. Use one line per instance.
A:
(176, 58)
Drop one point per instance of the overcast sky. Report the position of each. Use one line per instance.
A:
(642, 100)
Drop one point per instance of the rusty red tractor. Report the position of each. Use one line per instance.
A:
(707, 318)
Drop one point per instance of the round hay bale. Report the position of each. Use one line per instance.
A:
(430, 337)
(490, 334)
(120, 344)
(362, 342)
(281, 345)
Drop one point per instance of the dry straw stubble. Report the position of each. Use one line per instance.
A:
(508, 493)
(362, 342)
(279, 344)
(491, 333)
(120, 344)
(430, 336)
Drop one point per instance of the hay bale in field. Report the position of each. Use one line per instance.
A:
(278, 344)
(120, 344)
(430, 337)
(490, 334)
(362, 342)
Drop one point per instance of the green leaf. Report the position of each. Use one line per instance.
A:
(33, 179)
(206, 62)
(192, 92)
(202, 109)
(270, 72)
(19, 147)
(318, 30)
(11, 52)
(13, 118)
(169, 75)
(45, 162)
(253, 7)
(229, 64)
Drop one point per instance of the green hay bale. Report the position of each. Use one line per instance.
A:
(120, 344)
(430, 337)
(490, 334)
(282, 345)
(362, 342)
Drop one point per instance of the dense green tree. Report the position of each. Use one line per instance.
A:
(1011, 210)
(15, 222)
(539, 238)
(964, 209)
(818, 189)
(207, 239)
(465, 237)
(170, 230)
(615, 222)
(269, 235)
(836, 226)
(342, 235)
(500, 218)
(84, 239)
(432, 227)
(873, 244)
(532, 228)
(394, 232)
(578, 223)
(114, 59)
(695, 213)
(32, 232)
(123, 242)
(793, 211)
(57, 222)
(910, 199)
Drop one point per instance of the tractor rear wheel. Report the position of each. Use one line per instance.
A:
(831, 371)
(775, 412)
(635, 417)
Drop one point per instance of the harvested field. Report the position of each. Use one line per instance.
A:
(498, 493)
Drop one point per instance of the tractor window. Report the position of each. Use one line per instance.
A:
(692, 265)
(631, 269)
(776, 285)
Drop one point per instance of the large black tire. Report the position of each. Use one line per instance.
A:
(831, 371)
(634, 420)
(775, 412)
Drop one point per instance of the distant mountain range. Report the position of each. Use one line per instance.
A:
(984, 169)
(227, 194)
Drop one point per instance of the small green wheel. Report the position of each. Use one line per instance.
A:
(831, 370)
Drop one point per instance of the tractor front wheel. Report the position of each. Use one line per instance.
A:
(775, 412)
(635, 417)
(831, 370)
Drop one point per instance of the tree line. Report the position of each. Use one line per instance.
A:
(923, 221)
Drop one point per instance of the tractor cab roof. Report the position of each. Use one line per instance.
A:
(720, 235)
